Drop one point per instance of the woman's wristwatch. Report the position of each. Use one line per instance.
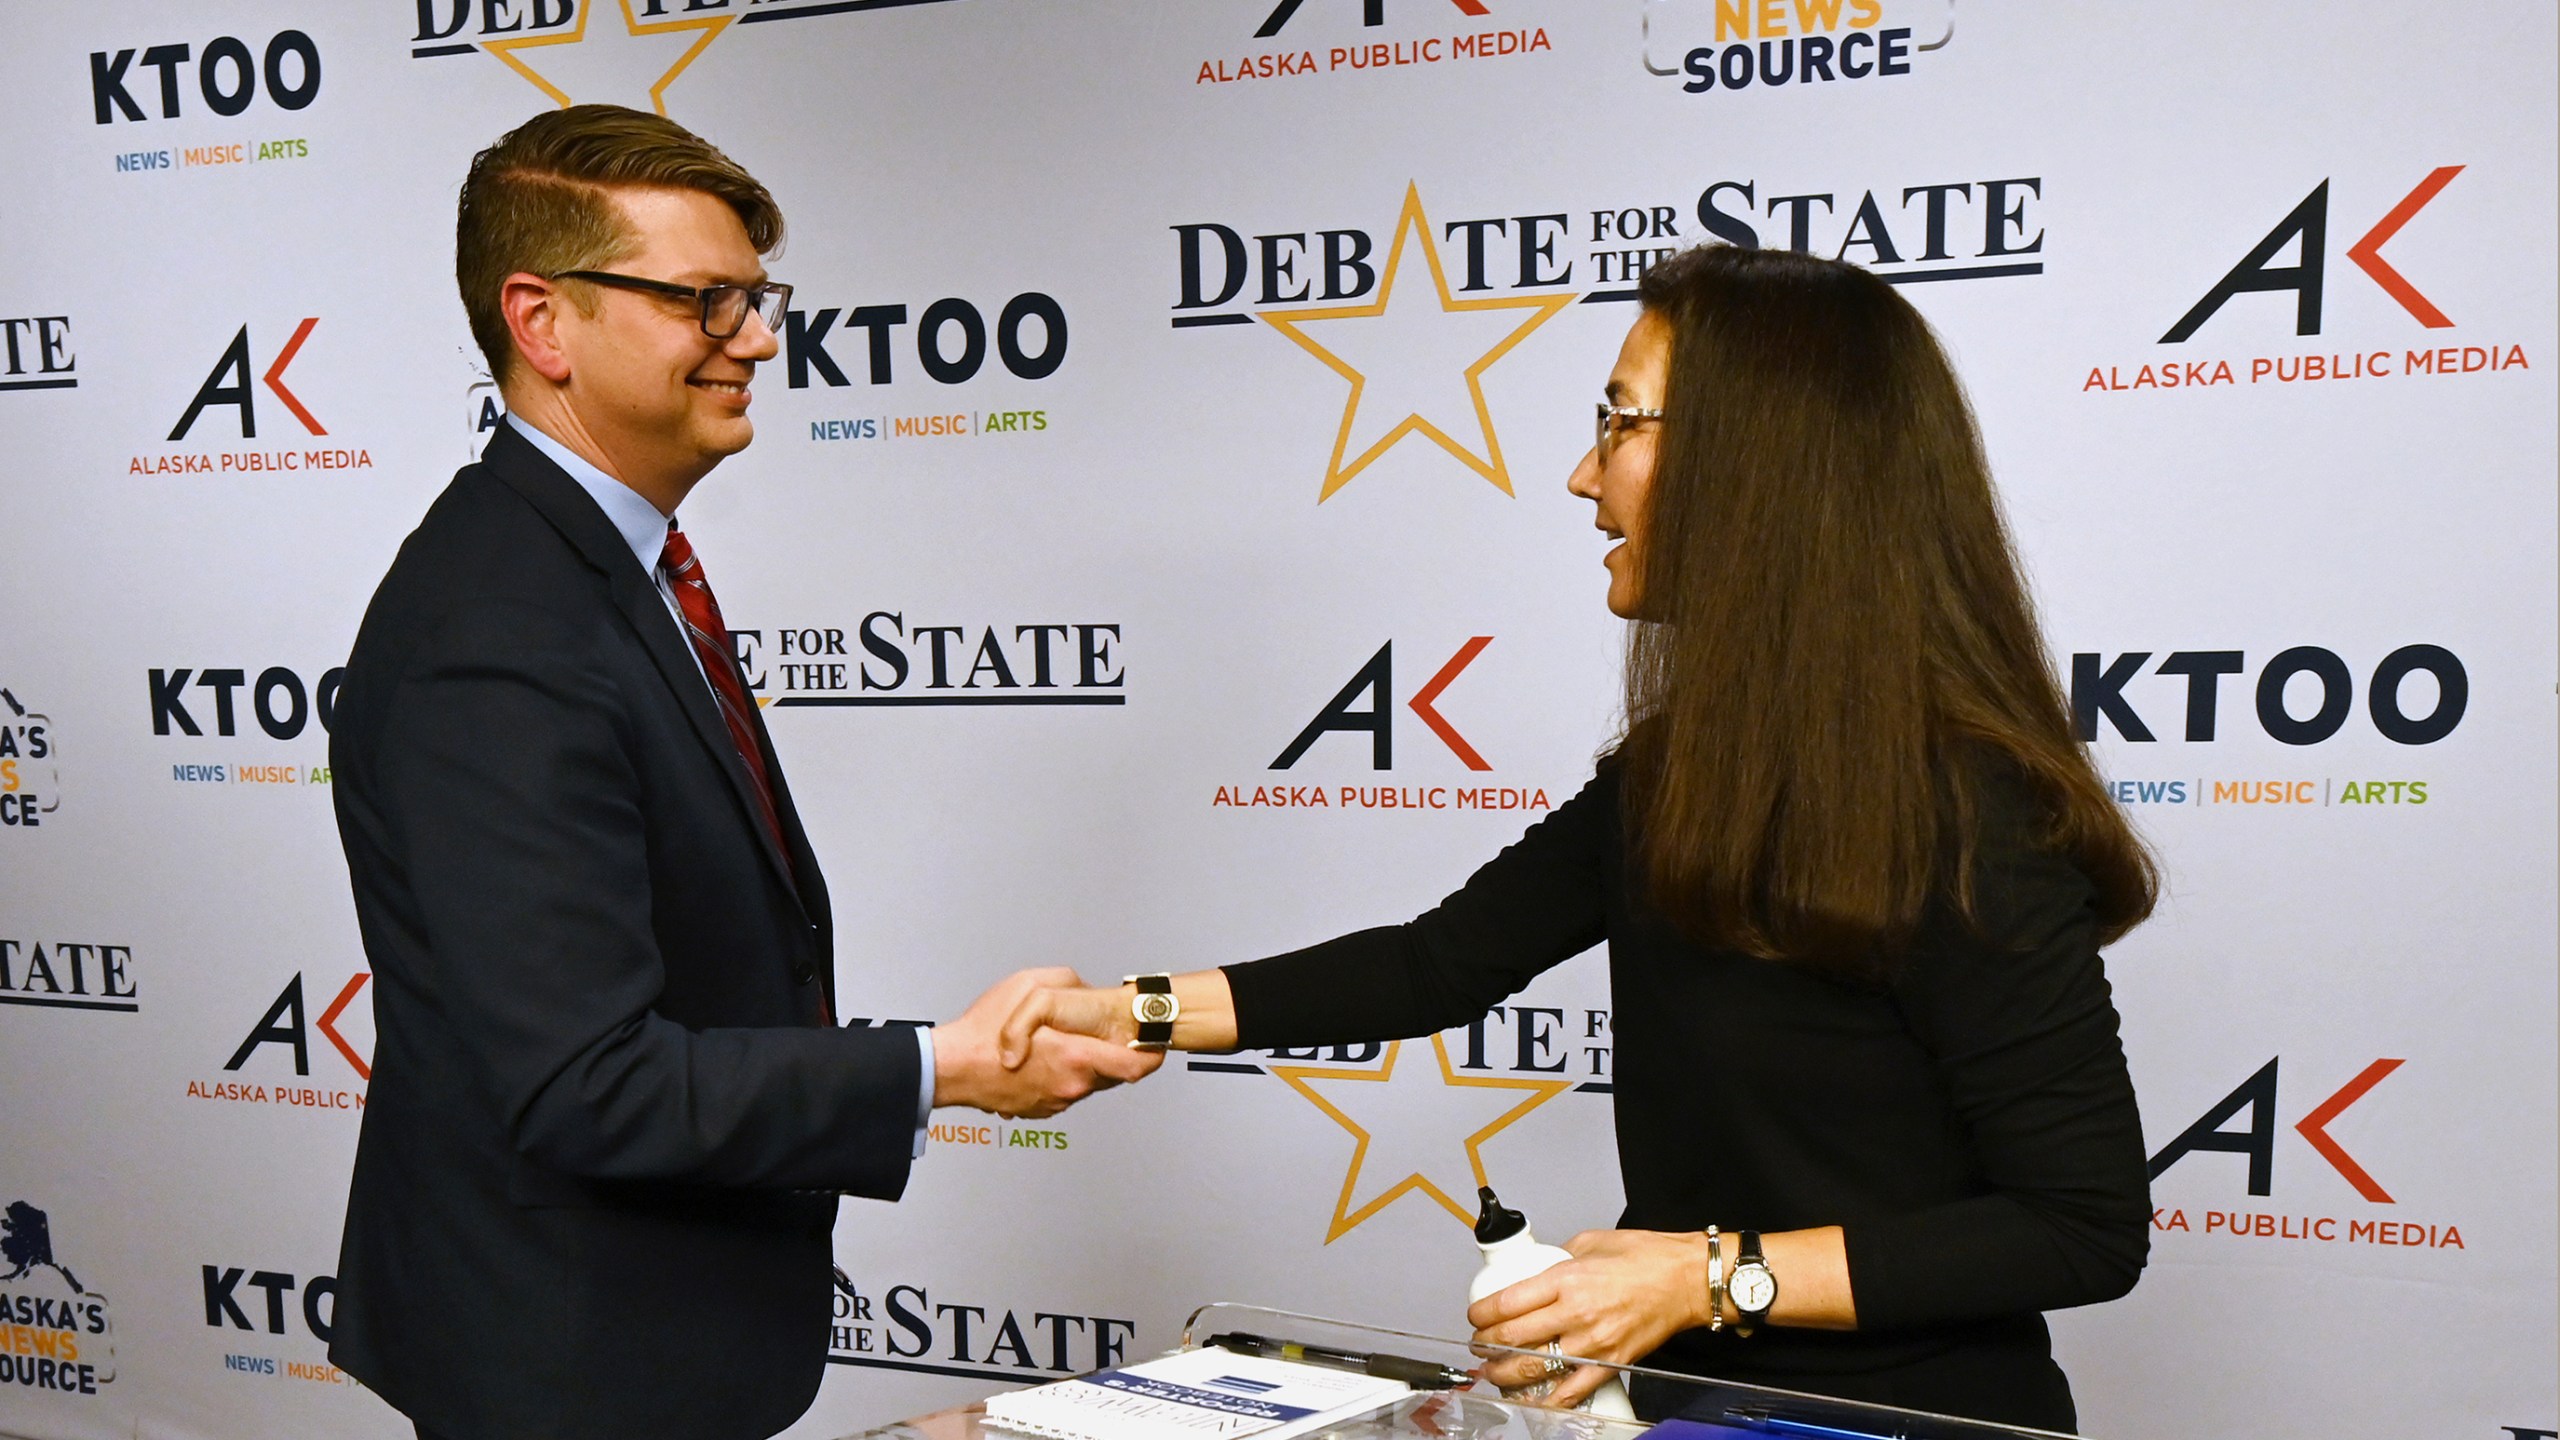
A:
(1154, 1008)
(1753, 1287)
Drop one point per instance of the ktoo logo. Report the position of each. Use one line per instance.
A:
(281, 701)
(2099, 682)
(2257, 1139)
(227, 386)
(1376, 683)
(222, 1299)
(226, 71)
(951, 335)
(2305, 231)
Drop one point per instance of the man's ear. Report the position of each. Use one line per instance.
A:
(532, 306)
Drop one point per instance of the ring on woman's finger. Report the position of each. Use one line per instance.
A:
(1556, 1363)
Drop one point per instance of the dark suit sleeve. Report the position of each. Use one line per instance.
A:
(508, 792)
(2020, 1024)
(1537, 904)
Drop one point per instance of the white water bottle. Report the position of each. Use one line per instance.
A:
(1511, 1255)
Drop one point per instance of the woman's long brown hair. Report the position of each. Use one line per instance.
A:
(1836, 637)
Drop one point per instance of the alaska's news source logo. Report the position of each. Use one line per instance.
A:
(1733, 45)
(55, 1333)
(30, 783)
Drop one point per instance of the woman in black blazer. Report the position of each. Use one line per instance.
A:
(1854, 870)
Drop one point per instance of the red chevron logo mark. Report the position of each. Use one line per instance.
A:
(275, 381)
(2367, 252)
(2314, 1126)
(1421, 703)
(328, 1024)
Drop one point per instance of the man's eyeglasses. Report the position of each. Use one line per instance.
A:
(724, 307)
(1617, 420)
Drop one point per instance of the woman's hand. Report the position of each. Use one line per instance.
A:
(1618, 1299)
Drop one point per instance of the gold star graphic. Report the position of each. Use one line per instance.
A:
(593, 85)
(1486, 458)
(1301, 1077)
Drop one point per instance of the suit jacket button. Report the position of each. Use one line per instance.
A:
(803, 973)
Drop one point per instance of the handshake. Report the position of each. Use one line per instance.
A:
(1040, 1040)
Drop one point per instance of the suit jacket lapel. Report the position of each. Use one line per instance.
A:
(575, 515)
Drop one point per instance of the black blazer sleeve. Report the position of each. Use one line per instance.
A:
(1539, 903)
(2020, 1026)
(508, 792)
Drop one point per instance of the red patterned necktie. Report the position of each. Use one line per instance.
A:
(710, 637)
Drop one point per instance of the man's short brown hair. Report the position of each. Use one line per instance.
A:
(539, 201)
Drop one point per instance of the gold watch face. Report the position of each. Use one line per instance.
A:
(1155, 1009)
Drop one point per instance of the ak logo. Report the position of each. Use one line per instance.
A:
(627, 52)
(56, 1335)
(2304, 235)
(227, 386)
(30, 779)
(1374, 684)
(283, 1025)
(2255, 1137)
(1373, 13)
(1412, 340)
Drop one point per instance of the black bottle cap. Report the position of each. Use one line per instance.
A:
(1496, 1221)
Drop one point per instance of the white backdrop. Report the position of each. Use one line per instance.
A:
(2348, 995)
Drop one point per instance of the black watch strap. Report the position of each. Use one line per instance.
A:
(1154, 1034)
(1750, 1257)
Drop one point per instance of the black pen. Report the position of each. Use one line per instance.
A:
(1420, 1374)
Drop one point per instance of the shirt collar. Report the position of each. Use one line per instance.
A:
(639, 523)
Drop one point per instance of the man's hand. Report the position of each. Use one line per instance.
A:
(1054, 1069)
(1074, 1008)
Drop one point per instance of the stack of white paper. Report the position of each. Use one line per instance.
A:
(1207, 1394)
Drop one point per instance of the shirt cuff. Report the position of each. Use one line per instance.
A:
(924, 1084)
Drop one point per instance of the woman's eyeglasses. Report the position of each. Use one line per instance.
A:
(1617, 420)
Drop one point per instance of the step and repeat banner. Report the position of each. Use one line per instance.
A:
(1155, 552)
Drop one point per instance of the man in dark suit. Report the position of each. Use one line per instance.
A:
(610, 1111)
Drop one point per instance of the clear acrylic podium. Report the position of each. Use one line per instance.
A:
(1704, 1409)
